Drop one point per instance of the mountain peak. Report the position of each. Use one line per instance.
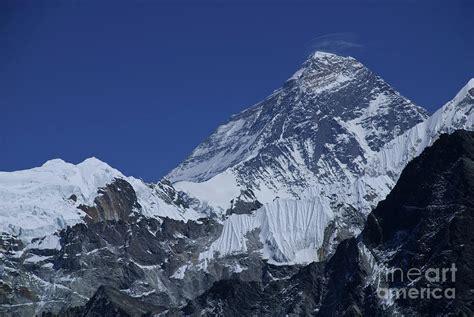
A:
(325, 58)
(317, 55)
(330, 106)
(94, 162)
(54, 162)
(322, 68)
(322, 54)
(89, 162)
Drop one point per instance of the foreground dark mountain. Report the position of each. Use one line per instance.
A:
(426, 222)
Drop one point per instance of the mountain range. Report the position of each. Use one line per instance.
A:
(291, 207)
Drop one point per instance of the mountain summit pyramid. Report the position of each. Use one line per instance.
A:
(321, 126)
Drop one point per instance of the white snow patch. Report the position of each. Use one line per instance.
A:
(36, 258)
(180, 272)
(217, 192)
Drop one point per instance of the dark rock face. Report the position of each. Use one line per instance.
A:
(281, 291)
(9, 243)
(422, 225)
(117, 248)
(137, 258)
(245, 203)
(426, 222)
(110, 302)
(116, 201)
(345, 278)
(171, 196)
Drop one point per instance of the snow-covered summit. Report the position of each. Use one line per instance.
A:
(327, 57)
(323, 54)
(41, 200)
(320, 65)
(88, 162)
(82, 179)
(54, 162)
(36, 201)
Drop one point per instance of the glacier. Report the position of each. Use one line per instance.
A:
(287, 228)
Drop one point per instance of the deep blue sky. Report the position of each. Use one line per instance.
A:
(140, 83)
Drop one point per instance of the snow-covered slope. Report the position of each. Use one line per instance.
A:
(320, 127)
(39, 201)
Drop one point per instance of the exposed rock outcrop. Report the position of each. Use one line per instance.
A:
(116, 201)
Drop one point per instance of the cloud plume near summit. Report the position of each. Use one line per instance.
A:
(339, 43)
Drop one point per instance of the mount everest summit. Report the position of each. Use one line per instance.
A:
(279, 186)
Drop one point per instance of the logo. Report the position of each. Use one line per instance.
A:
(434, 278)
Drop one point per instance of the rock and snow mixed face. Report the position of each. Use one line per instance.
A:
(457, 114)
(319, 128)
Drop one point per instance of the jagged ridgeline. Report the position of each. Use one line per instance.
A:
(268, 216)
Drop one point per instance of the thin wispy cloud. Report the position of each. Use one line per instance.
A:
(339, 43)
